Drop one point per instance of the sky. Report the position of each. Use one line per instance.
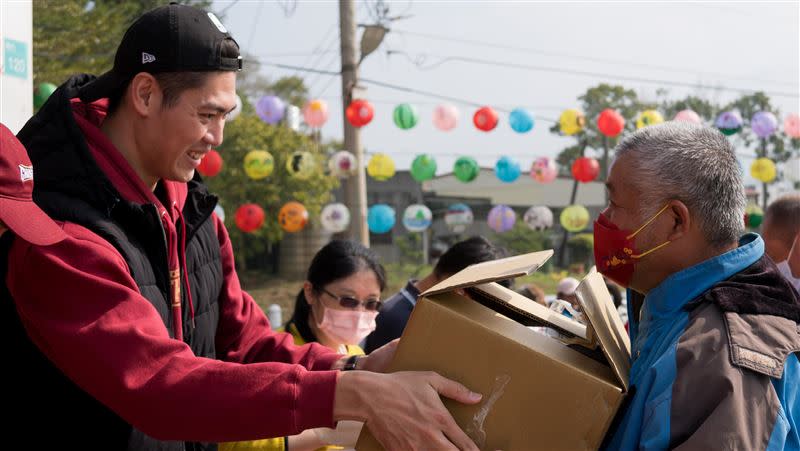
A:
(753, 46)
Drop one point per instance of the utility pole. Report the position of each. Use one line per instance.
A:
(355, 187)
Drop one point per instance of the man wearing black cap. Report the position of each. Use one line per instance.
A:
(150, 341)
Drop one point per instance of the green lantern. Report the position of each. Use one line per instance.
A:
(42, 93)
(466, 169)
(405, 116)
(423, 168)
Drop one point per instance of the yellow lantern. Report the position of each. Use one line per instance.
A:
(575, 218)
(648, 117)
(571, 121)
(380, 167)
(258, 164)
(301, 165)
(763, 169)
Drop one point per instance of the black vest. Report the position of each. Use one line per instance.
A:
(55, 406)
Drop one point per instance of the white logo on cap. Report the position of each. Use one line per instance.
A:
(25, 173)
(217, 23)
(147, 58)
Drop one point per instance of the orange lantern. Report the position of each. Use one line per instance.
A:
(293, 217)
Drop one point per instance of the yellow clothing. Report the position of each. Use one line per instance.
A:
(278, 444)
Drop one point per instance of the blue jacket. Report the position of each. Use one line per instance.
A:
(715, 359)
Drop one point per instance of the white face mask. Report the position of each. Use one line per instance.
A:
(786, 271)
(347, 326)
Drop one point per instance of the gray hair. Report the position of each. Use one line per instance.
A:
(695, 164)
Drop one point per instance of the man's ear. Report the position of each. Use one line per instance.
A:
(682, 219)
(144, 94)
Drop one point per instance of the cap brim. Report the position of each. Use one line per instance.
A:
(29, 222)
(102, 87)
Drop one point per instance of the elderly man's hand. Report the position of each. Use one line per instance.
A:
(403, 410)
(379, 359)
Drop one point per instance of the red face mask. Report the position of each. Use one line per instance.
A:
(615, 251)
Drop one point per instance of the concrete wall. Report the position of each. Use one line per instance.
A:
(16, 63)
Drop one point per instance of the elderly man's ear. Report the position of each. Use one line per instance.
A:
(681, 220)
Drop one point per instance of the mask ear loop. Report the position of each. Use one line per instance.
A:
(637, 256)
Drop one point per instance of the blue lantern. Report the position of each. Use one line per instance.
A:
(380, 218)
(507, 169)
(521, 120)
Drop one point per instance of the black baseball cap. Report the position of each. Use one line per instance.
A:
(172, 38)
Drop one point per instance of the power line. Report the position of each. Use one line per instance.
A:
(467, 59)
(584, 57)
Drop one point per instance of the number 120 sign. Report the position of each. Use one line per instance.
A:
(15, 58)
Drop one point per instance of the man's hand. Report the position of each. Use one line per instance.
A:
(403, 410)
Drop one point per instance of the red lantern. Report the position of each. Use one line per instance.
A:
(249, 217)
(585, 169)
(610, 123)
(210, 165)
(485, 119)
(359, 113)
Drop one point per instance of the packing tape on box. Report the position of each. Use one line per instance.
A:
(475, 429)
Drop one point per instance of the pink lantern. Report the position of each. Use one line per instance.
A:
(315, 113)
(544, 170)
(791, 126)
(445, 117)
(687, 116)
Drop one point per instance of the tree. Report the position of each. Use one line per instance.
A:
(522, 239)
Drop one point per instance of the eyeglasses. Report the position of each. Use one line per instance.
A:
(352, 303)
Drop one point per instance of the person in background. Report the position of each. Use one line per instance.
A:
(532, 291)
(781, 232)
(393, 317)
(336, 308)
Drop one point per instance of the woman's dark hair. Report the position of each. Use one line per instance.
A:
(468, 252)
(339, 259)
(173, 84)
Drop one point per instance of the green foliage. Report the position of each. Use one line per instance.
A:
(522, 240)
(581, 248)
(410, 246)
(235, 188)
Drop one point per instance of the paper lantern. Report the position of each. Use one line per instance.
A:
(729, 122)
(315, 113)
(220, 212)
(521, 120)
(301, 165)
(293, 117)
(380, 218)
(249, 217)
(764, 124)
(335, 217)
(445, 117)
(42, 93)
(791, 169)
(791, 126)
(381, 167)
(423, 167)
(293, 217)
(234, 113)
(507, 169)
(538, 218)
(270, 109)
(417, 218)
(485, 119)
(763, 169)
(343, 164)
(466, 169)
(359, 113)
(575, 218)
(405, 116)
(648, 117)
(687, 116)
(211, 164)
(501, 218)
(544, 170)
(585, 169)
(458, 217)
(258, 164)
(610, 122)
(571, 121)
(753, 216)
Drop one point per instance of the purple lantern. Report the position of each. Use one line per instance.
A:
(729, 122)
(270, 109)
(764, 124)
(501, 218)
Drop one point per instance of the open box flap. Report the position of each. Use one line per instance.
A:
(602, 315)
(491, 271)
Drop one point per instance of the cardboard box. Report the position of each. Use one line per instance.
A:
(539, 392)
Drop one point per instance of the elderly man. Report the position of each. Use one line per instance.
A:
(716, 338)
(781, 233)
